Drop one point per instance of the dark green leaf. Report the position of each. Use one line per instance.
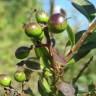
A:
(41, 89)
(32, 64)
(71, 35)
(85, 7)
(78, 35)
(88, 45)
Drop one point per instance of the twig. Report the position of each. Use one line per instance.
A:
(91, 28)
(82, 70)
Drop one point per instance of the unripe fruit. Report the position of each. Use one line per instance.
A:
(33, 30)
(20, 76)
(5, 80)
(40, 37)
(22, 52)
(57, 23)
(42, 16)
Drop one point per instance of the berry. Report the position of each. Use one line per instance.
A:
(5, 80)
(20, 76)
(57, 23)
(33, 30)
(22, 52)
(41, 36)
(42, 16)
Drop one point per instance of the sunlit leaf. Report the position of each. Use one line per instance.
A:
(71, 35)
(85, 7)
(43, 88)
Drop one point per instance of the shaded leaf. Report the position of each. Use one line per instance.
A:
(85, 7)
(32, 64)
(88, 45)
(84, 50)
(78, 35)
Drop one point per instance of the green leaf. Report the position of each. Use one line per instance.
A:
(71, 35)
(71, 62)
(85, 7)
(44, 87)
(44, 57)
(41, 89)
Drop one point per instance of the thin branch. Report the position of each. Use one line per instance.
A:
(86, 34)
(82, 70)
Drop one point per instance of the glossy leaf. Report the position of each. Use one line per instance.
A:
(85, 7)
(71, 35)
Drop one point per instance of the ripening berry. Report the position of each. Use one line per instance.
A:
(57, 23)
(33, 30)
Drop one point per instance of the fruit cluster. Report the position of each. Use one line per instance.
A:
(56, 23)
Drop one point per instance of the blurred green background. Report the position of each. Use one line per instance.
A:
(13, 14)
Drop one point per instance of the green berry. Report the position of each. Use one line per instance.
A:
(22, 52)
(42, 16)
(20, 76)
(41, 36)
(5, 80)
(33, 30)
(57, 23)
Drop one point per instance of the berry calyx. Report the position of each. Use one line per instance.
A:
(57, 23)
(42, 16)
(5, 80)
(20, 76)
